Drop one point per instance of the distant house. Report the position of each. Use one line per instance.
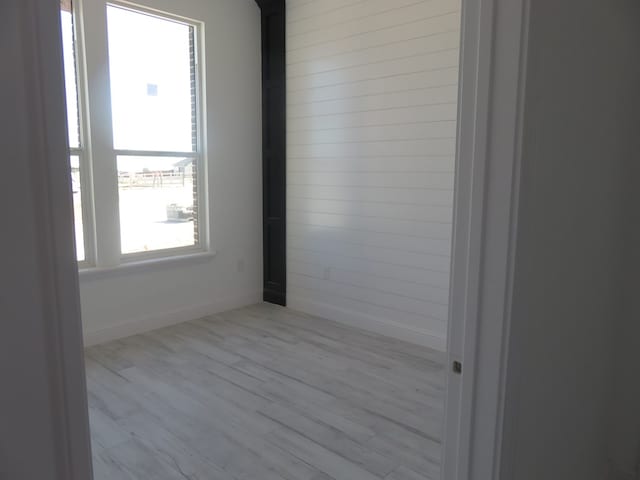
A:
(184, 166)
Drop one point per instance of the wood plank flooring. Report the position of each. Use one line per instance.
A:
(265, 393)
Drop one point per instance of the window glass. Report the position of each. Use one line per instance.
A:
(158, 207)
(152, 71)
(77, 205)
(68, 50)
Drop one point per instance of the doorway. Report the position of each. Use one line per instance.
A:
(126, 284)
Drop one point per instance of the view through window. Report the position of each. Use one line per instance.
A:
(73, 121)
(153, 96)
(153, 82)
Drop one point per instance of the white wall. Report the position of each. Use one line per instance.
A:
(124, 303)
(567, 280)
(371, 125)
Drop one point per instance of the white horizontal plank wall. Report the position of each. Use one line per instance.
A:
(371, 126)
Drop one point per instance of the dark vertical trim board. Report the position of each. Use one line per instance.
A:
(274, 150)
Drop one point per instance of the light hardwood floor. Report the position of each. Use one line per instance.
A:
(265, 393)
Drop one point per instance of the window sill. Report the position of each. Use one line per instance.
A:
(143, 266)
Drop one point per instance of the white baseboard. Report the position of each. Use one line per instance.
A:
(165, 319)
(368, 322)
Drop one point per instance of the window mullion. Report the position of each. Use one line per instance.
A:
(100, 136)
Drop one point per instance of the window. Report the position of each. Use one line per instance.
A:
(150, 175)
(73, 122)
(152, 64)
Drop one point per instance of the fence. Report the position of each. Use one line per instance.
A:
(153, 179)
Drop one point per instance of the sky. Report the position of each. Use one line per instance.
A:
(150, 66)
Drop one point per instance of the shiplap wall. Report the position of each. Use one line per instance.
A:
(371, 126)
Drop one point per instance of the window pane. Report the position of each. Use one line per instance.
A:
(77, 206)
(158, 203)
(152, 69)
(68, 50)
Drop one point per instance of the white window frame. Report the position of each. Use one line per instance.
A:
(98, 156)
(83, 151)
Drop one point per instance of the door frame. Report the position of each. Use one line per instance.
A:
(493, 56)
(62, 451)
(493, 60)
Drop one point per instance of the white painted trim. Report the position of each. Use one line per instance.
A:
(84, 152)
(38, 22)
(146, 265)
(136, 258)
(475, 48)
(494, 47)
(368, 322)
(99, 141)
(99, 138)
(153, 153)
(152, 322)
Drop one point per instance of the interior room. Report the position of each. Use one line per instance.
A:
(319, 239)
(263, 202)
